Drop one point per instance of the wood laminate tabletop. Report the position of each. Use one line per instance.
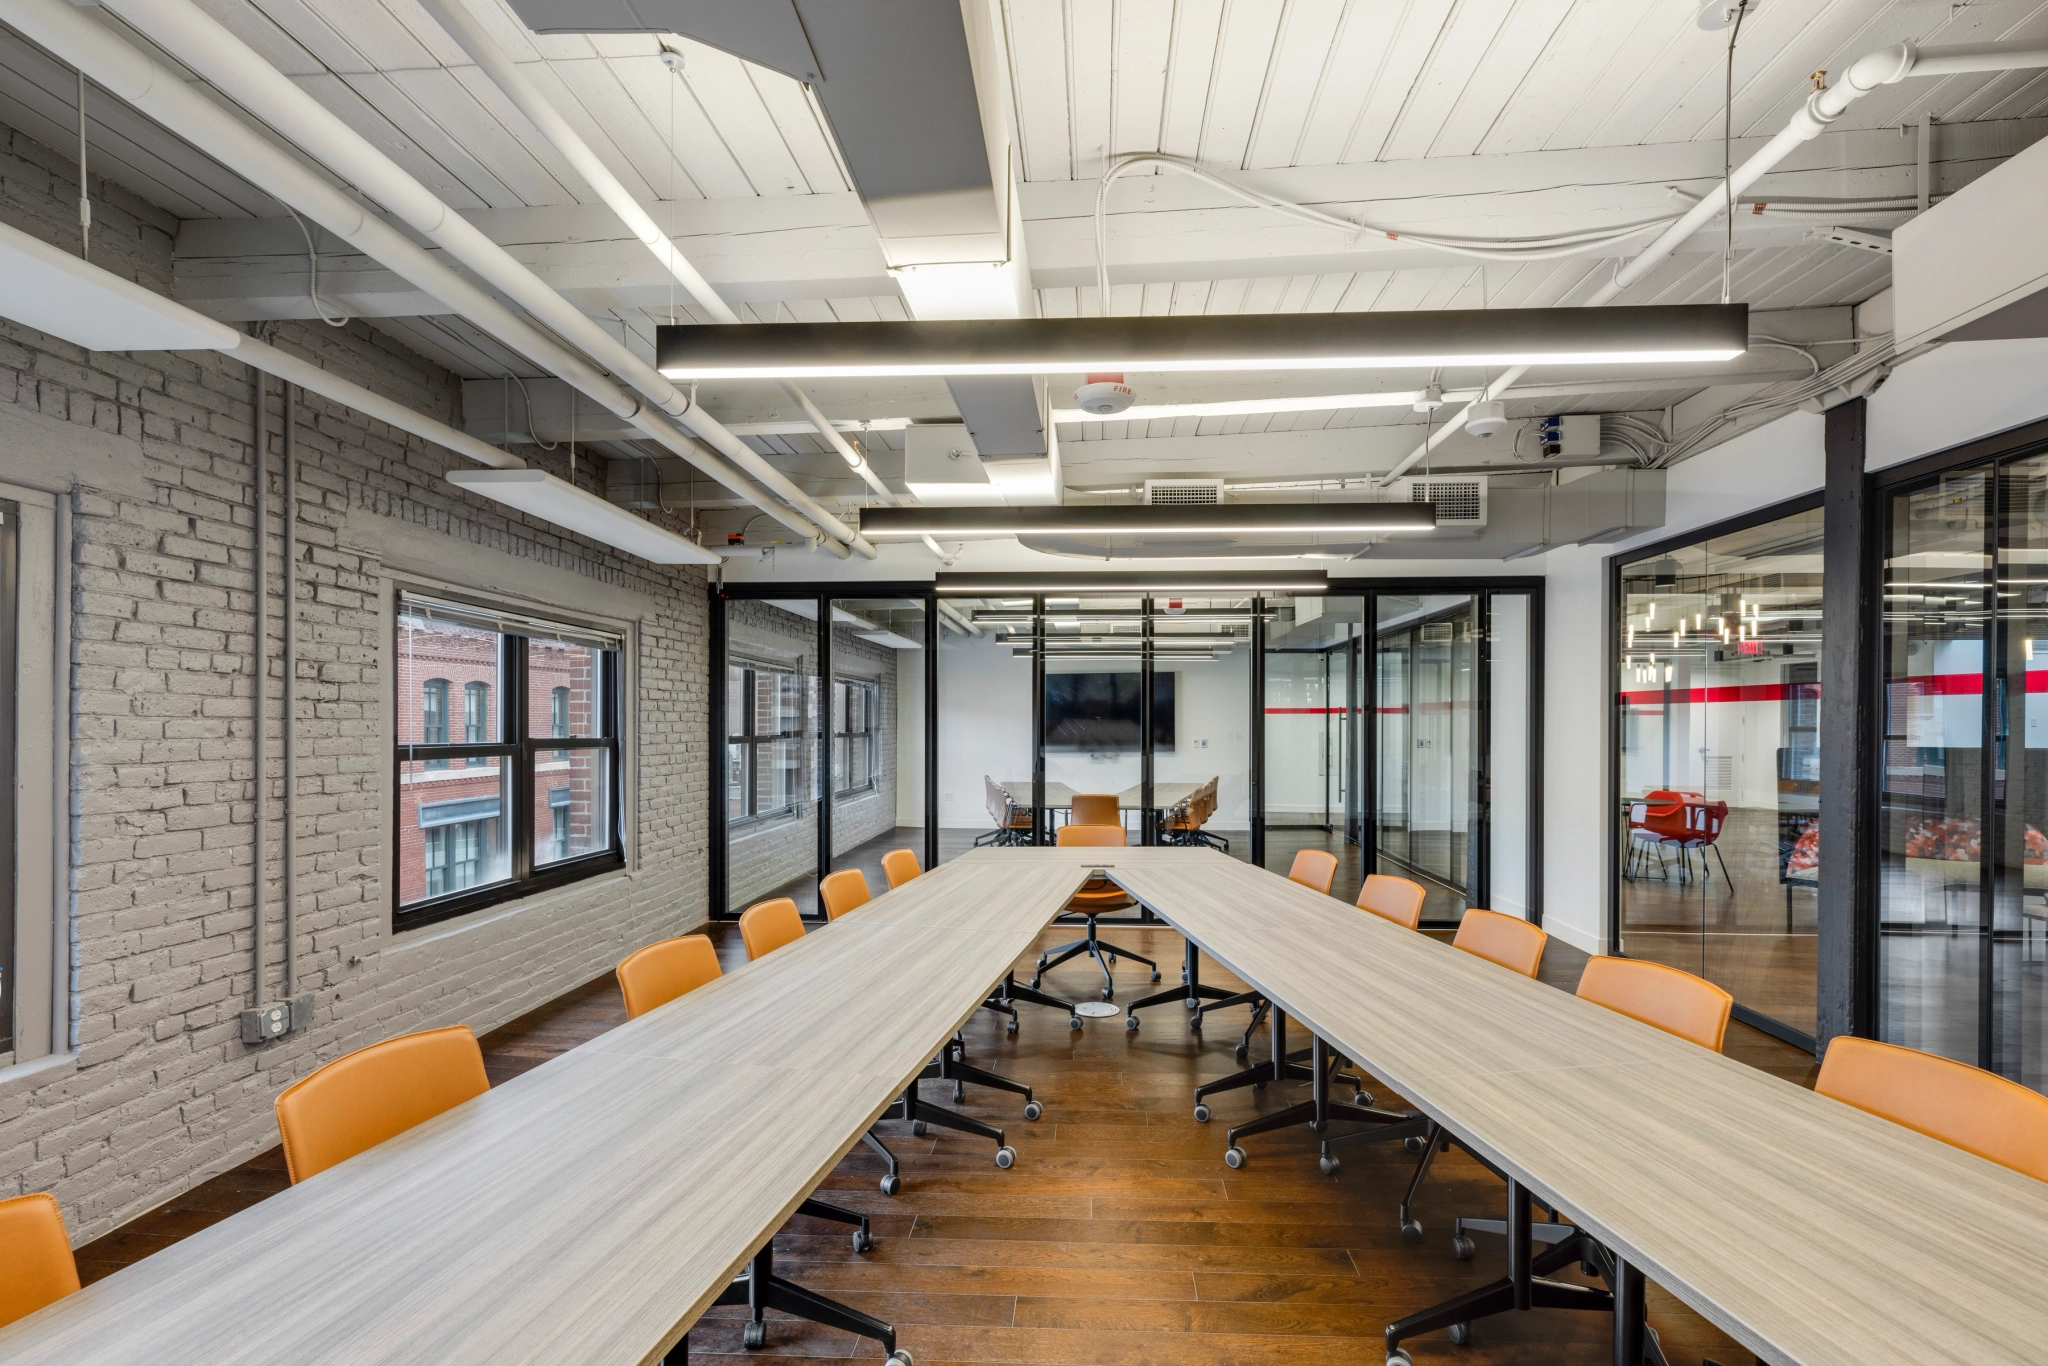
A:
(1809, 1230)
(589, 1210)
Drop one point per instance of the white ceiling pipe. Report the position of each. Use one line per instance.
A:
(1883, 67)
(238, 71)
(461, 24)
(117, 66)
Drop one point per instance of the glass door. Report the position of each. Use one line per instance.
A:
(1427, 652)
(773, 774)
(876, 736)
(1311, 773)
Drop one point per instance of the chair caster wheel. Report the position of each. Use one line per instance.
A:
(1130, 1024)
(756, 1335)
(1073, 1021)
(1363, 1100)
(1242, 1052)
(1411, 1230)
(1258, 1086)
(1191, 1003)
(891, 1184)
(1194, 1024)
(1412, 1144)
(1032, 1109)
(1006, 1157)
(917, 1127)
(1328, 1164)
(1462, 1248)
(1034, 981)
(863, 1241)
(1399, 1357)
(1112, 959)
(1155, 974)
(899, 1357)
(1233, 1157)
(1461, 1334)
(1106, 993)
(1201, 1113)
(1010, 1025)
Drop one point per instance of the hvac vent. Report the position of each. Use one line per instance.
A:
(1459, 502)
(1437, 633)
(1720, 772)
(1183, 492)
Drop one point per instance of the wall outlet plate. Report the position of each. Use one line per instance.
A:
(261, 1024)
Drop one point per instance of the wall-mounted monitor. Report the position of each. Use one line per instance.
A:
(1097, 713)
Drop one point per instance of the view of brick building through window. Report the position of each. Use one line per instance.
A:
(453, 826)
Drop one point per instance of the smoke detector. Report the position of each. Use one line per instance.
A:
(1430, 399)
(1486, 417)
(1104, 395)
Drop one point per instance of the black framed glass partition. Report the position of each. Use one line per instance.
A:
(1716, 664)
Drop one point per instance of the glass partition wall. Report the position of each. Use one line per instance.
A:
(1717, 662)
(1963, 799)
(1221, 719)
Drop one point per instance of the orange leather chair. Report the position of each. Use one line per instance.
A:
(843, 891)
(766, 926)
(1097, 897)
(36, 1265)
(1315, 869)
(359, 1100)
(900, 866)
(1963, 1106)
(659, 973)
(1096, 808)
(1393, 898)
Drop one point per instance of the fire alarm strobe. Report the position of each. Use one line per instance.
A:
(1104, 395)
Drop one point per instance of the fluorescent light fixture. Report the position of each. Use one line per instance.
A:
(1154, 519)
(1134, 583)
(1246, 407)
(1260, 341)
(891, 640)
(53, 291)
(560, 502)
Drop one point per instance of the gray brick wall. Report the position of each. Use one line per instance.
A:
(164, 1094)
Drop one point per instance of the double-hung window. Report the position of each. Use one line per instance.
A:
(764, 749)
(522, 792)
(853, 737)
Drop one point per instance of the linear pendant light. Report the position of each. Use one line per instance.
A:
(1133, 583)
(1260, 341)
(541, 495)
(1134, 518)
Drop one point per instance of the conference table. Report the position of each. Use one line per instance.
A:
(589, 1210)
(1060, 796)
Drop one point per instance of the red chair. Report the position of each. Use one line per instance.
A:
(1647, 828)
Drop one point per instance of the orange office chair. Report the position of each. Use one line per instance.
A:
(1963, 1106)
(1315, 869)
(1509, 942)
(1393, 898)
(900, 866)
(770, 925)
(1096, 808)
(1097, 897)
(651, 978)
(1676, 1002)
(362, 1098)
(843, 891)
(36, 1265)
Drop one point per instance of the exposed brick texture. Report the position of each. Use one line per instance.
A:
(163, 683)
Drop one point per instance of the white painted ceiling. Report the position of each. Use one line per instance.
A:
(1470, 117)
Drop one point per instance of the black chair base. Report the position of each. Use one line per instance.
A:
(1315, 1112)
(1190, 993)
(920, 1114)
(1004, 1002)
(1101, 951)
(760, 1289)
(1525, 1288)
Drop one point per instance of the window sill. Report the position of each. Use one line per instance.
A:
(27, 1076)
(410, 939)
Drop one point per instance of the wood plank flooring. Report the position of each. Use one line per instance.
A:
(1120, 1236)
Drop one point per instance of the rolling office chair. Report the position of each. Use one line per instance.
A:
(362, 1098)
(654, 976)
(771, 925)
(1097, 896)
(1315, 869)
(1012, 822)
(36, 1265)
(1507, 941)
(1963, 1106)
(901, 865)
(843, 891)
(1689, 1007)
(1392, 898)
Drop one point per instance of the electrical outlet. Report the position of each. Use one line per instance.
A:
(277, 1019)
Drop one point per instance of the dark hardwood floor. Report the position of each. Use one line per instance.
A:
(1120, 1236)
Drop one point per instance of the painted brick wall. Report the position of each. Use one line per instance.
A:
(163, 1093)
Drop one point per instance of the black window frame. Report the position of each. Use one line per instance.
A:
(844, 690)
(518, 749)
(754, 741)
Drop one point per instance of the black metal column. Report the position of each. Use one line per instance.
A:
(1039, 833)
(933, 634)
(1479, 878)
(1257, 734)
(1847, 986)
(717, 881)
(824, 751)
(1147, 830)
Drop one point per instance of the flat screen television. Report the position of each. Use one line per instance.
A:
(1098, 713)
